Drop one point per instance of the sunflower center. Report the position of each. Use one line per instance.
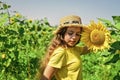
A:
(97, 37)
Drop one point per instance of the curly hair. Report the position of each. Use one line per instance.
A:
(55, 42)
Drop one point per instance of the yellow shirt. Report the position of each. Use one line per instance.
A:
(68, 62)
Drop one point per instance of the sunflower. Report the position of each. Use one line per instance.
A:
(96, 36)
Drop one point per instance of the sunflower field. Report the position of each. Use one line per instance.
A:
(24, 41)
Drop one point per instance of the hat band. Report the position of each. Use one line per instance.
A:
(71, 22)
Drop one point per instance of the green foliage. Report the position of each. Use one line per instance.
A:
(22, 44)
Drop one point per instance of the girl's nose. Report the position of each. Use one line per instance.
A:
(74, 36)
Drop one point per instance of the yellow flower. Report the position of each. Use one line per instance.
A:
(3, 56)
(96, 36)
(17, 15)
(11, 20)
(30, 20)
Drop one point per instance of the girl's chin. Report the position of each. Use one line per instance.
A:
(71, 45)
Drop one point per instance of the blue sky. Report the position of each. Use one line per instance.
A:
(55, 9)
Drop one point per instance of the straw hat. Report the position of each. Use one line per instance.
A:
(69, 21)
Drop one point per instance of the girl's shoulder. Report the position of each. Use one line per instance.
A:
(59, 50)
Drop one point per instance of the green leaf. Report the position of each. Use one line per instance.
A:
(106, 22)
(116, 45)
(5, 6)
(7, 63)
(117, 25)
(3, 37)
(114, 59)
(21, 31)
(116, 19)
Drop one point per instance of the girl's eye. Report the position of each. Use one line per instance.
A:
(70, 33)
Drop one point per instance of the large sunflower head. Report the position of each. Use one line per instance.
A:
(96, 36)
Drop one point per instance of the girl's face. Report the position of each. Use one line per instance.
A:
(72, 35)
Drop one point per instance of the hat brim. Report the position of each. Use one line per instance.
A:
(71, 25)
(67, 25)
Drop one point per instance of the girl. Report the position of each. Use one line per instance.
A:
(63, 58)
